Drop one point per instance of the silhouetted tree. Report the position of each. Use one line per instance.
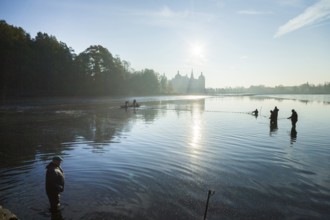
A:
(165, 87)
(53, 64)
(44, 66)
(98, 68)
(15, 59)
(144, 82)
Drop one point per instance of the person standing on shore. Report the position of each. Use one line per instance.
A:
(54, 183)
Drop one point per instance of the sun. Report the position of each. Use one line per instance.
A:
(197, 50)
(196, 53)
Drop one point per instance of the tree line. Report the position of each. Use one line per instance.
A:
(44, 66)
(261, 89)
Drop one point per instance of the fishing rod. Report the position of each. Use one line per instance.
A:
(210, 193)
(187, 109)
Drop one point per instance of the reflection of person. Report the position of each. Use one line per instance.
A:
(294, 118)
(54, 183)
(293, 133)
(255, 112)
(273, 127)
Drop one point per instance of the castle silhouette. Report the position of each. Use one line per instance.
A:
(186, 85)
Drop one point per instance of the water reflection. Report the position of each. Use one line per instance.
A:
(306, 99)
(158, 161)
(196, 128)
(293, 134)
(45, 131)
(273, 128)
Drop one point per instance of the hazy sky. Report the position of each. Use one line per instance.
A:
(233, 42)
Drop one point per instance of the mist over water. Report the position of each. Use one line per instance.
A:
(160, 160)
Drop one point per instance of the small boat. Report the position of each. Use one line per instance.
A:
(134, 105)
(130, 106)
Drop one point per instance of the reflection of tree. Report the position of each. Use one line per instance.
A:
(306, 88)
(306, 99)
(149, 115)
(49, 132)
(45, 130)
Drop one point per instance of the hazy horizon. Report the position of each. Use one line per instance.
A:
(234, 44)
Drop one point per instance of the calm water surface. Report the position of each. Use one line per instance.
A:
(159, 161)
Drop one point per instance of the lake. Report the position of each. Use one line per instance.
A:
(159, 161)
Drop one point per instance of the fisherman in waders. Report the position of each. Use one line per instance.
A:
(275, 112)
(54, 183)
(294, 118)
(255, 113)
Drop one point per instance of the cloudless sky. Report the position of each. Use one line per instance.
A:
(233, 42)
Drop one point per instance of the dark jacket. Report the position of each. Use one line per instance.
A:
(54, 178)
(294, 116)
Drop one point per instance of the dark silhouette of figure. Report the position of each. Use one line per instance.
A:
(135, 104)
(255, 113)
(275, 112)
(126, 105)
(273, 122)
(294, 118)
(272, 118)
(54, 183)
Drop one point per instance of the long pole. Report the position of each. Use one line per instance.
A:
(210, 193)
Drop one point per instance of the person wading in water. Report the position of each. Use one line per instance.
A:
(54, 183)
(294, 118)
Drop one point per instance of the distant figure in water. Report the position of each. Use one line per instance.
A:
(54, 183)
(135, 104)
(275, 112)
(255, 113)
(273, 122)
(125, 105)
(294, 118)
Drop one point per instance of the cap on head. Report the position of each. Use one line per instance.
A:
(57, 158)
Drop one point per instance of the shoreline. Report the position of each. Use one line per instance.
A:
(6, 214)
